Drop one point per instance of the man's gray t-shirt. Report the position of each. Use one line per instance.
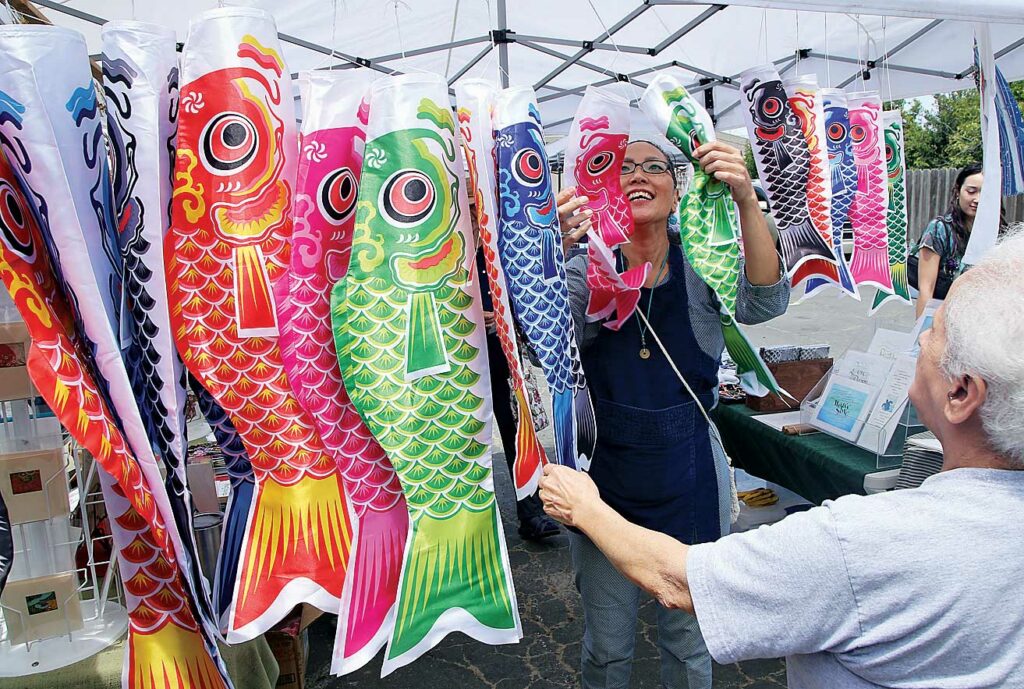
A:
(918, 588)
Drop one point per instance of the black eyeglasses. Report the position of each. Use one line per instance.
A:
(651, 167)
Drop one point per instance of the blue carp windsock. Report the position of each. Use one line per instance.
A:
(597, 146)
(870, 261)
(60, 241)
(708, 228)
(530, 249)
(783, 164)
(412, 348)
(475, 99)
(843, 173)
(236, 513)
(140, 81)
(806, 101)
(896, 214)
(229, 244)
(6, 544)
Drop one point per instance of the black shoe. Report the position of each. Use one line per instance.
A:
(538, 528)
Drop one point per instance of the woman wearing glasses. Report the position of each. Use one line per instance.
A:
(657, 462)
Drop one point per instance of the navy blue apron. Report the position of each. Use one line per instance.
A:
(653, 463)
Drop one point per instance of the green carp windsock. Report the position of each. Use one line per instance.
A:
(409, 330)
(896, 217)
(707, 219)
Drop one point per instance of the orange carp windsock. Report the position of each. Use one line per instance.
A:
(228, 246)
(166, 647)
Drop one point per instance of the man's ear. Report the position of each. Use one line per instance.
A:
(965, 399)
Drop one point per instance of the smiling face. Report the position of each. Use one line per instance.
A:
(970, 194)
(652, 197)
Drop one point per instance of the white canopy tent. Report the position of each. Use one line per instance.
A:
(903, 48)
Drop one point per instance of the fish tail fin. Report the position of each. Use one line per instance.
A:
(846, 281)
(530, 457)
(565, 439)
(371, 588)
(169, 657)
(802, 243)
(298, 537)
(455, 578)
(900, 284)
(754, 375)
(871, 267)
(816, 267)
(586, 425)
(232, 537)
(549, 265)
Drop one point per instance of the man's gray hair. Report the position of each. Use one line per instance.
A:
(984, 318)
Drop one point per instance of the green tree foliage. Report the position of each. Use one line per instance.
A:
(947, 132)
(748, 158)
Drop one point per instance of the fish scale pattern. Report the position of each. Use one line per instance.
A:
(870, 261)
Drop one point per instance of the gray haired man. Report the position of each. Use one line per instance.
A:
(918, 588)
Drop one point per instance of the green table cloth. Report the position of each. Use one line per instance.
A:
(817, 466)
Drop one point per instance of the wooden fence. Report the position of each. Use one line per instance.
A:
(928, 192)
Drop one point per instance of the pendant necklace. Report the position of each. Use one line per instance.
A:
(645, 353)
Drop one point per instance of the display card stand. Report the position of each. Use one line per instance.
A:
(887, 454)
(60, 604)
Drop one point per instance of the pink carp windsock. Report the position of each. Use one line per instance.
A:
(807, 104)
(594, 155)
(708, 228)
(530, 250)
(140, 81)
(896, 214)
(475, 99)
(843, 175)
(166, 647)
(410, 335)
(870, 261)
(783, 164)
(335, 109)
(229, 243)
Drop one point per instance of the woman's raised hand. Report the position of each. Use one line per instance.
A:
(573, 227)
(726, 164)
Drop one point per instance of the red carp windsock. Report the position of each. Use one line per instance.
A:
(593, 163)
(228, 245)
(870, 261)
(165, 647)
(475, 100)
(51, 132)
(783, 164)
(806, 101)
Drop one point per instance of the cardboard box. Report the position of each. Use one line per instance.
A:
(34, 485)
(290, 652)
(795, 377)
(42, 607)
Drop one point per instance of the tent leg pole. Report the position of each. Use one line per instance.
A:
(503, 47)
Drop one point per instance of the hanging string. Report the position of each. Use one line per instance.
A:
(492, 58)
(798, 45)
(618, 53)
(885, 63)
(828, 62)
(398, 26)
(451, 39)
(328, 60)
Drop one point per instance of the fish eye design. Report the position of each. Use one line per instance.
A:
(336, 197)
(528, 168)
(229, 143)
(13, 226)
(600, 163)
(408, 197)
(836, 131)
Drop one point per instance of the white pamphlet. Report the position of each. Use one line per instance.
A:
(890, 344)
(888, 407)
(864, 368)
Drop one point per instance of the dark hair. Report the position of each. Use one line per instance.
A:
(955, 214)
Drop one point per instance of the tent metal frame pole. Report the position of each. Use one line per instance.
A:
(688, 27)
(550, 40)
(418, 51)
(71, 12)
(875, 64)
(897, 48)
(633, 14)
(502, 29)
(472, 62)
(604, 82)
(784, 65)
(588, 65)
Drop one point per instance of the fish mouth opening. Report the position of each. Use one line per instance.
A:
(254, 218)
(429, 269)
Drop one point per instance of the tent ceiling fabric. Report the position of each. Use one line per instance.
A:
(562, 47)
